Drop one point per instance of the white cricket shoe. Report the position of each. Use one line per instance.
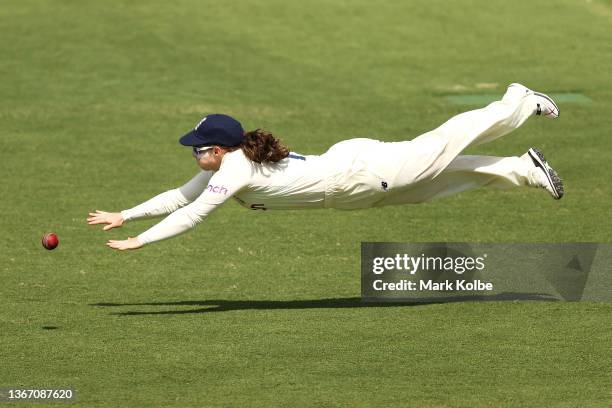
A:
(543, 175)
(545, 106)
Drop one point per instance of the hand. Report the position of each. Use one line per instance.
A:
(114, 220)
(130, 243)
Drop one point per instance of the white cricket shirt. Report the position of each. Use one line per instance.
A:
(340, 178)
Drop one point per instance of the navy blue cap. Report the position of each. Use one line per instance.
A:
(215, 130)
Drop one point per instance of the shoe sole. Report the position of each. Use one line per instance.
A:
(555, 114)
(553, 178)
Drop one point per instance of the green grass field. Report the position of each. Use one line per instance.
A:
(262, 309)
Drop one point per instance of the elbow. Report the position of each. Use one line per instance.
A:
(182, 199)
(178, 200)
(186, 195)
(194, 219)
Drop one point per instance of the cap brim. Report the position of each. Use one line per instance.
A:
(190, 139)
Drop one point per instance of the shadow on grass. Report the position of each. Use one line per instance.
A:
(221, 305)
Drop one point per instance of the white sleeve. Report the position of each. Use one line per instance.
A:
(171, 200)
(233, 175)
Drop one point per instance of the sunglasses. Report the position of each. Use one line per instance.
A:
(200, 151)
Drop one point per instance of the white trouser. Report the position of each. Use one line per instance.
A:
(429, 166)
(463, 173)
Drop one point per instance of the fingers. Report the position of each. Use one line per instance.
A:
(116, 245)
(101, 217)
(94, 221)
(98, 213)
(123, 244)
(106, 228)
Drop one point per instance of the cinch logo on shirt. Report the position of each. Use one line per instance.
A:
(217, 189)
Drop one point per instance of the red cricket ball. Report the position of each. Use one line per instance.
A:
(50, 241)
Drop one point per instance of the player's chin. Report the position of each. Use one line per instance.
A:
(204, 166)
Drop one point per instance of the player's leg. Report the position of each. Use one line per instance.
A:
(429, 154)
(465, 173)
(469, 172)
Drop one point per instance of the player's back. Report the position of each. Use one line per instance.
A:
(297, 181)
(300, 181)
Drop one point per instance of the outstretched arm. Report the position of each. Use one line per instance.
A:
(161, 204)
(234, 175)
(174, 224)
(171, 200)
(113, 220)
